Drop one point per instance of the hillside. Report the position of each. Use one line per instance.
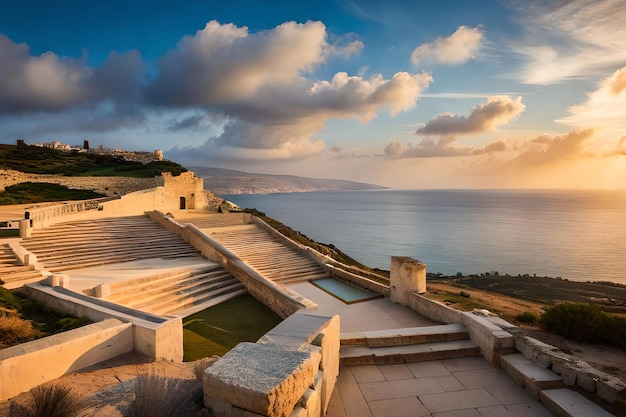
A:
(38, 160)
(228, 181)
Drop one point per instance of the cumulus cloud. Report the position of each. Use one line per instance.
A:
(51, 83)
(224, 63)
(605, 107)
(437, 148)
(263, 83)
(457, 48)
(569, 39)
(620, 148)
(498, 110)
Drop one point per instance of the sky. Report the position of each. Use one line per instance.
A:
(406, 94)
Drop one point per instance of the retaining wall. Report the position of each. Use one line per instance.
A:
(27, 365)
(153, 336)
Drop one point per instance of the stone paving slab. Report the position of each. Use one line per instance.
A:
(460, 387)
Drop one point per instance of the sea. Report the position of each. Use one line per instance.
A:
(574, 235)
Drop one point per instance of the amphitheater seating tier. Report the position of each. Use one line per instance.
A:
(88, 243)
(267, 254)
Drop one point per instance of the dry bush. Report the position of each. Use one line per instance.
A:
(157, 396)
(54, 400)
(15, 330)
(201, 365)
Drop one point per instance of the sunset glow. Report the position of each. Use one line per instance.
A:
(453, 94)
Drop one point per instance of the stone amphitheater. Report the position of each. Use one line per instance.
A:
(136, 265)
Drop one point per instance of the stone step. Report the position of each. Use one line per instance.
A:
(530, 376)
(564, 402)
(189, 306)
(365, 355)
(123, 289)
(169, 287)
(406, 336)
(174, 296)
(174, 303)
(203, 305)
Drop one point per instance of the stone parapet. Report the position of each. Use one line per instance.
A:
(29, 364)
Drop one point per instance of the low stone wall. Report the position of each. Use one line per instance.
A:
(27, 365)
(42, 217)
(573, 371)
(152, 336)
(290, 371)
(281, 300)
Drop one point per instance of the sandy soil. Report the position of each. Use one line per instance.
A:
(605, 358)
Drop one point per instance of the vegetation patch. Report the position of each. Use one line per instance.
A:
(585, 323)
(23, 320)
(611, 297)
(39, 192)
(54, 400)
(39, 160)
(217, 330)
(157, 396)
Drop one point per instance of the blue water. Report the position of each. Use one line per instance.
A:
(576, 235)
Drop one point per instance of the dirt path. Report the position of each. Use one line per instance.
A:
(110, 383)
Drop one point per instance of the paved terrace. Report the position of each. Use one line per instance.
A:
(458, 383)
(456, 387)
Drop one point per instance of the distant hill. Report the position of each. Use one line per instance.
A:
(227, 181)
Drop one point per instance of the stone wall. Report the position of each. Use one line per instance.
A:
(109, 186)
(153, 336)
(53, 356)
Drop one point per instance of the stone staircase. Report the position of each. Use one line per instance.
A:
(88, 243)
(12, 272)
(268, 254)
(413, 344)
(178, 293)
(549, 388)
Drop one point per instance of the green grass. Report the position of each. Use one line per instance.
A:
(218, 329)
(36, 192)
(9, 233)
(37, 160)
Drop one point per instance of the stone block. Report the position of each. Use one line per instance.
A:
(265, 379)
(610, 388)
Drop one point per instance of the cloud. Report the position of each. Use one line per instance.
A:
(437, 148)
(459, 47)
(48, 82)
(569, 39)
(224, 63)
(605, 107)
(498, 110)
(263, 84)
(620, 148)
(548, 149)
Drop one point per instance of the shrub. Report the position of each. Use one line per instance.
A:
(157, 396)
(527, 317)
(15, 330)
(55, 400)
(585, 323)
(69, 323)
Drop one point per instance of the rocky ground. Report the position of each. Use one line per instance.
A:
(605, 358)
(109, 186)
